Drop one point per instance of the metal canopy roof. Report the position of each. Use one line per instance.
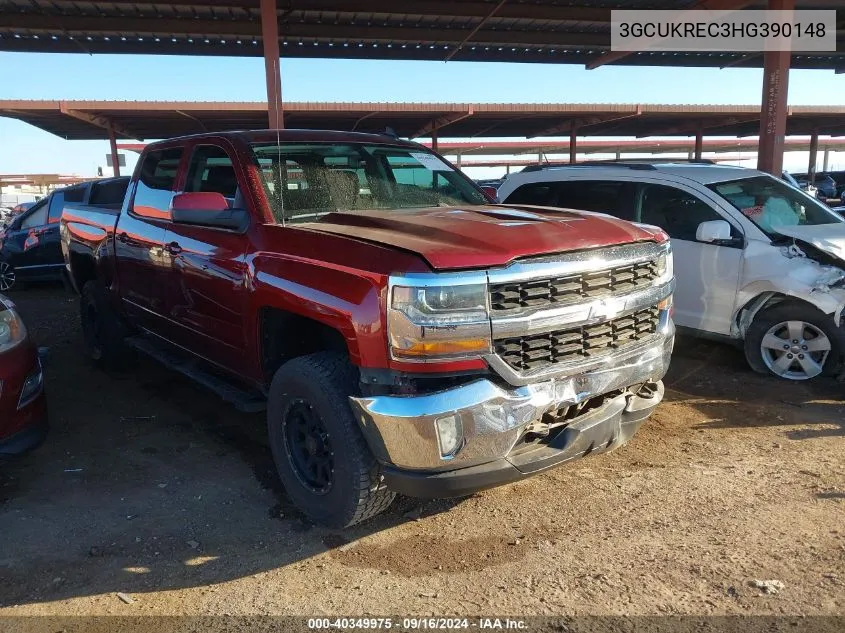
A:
(549, 31)
(639, 146)
(148, 120)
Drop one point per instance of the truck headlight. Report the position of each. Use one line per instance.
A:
(438, 322)
(12, 330)
(665, 265)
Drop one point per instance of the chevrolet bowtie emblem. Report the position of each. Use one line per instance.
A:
(607, 308)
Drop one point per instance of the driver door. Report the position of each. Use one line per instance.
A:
(207, 301)
(707, 275)
(21, 245)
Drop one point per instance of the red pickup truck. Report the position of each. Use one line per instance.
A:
(405, 334)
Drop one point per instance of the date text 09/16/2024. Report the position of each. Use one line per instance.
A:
(423, 623)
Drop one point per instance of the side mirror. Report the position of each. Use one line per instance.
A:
(714, 232)
(207, 208)
(491, 193)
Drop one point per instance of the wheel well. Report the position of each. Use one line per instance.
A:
(763, 301)
(285, 335)
(83, 269)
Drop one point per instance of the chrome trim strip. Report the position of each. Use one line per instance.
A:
(666, 332)
(578, 262)
(424, 280)
(595, 311)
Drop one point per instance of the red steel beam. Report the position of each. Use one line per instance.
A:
(270, 39)
(115, 162)
(814, 154)
(699, 143)
(774, 107)
(442, 122)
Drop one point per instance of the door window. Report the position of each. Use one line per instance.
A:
(211, 169)
(602, 196)
(156, 181)
(62, 197)
(37, 216)
(677, 212)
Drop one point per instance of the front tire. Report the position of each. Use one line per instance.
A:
(794, 341)
(323, 460)
(102, 328)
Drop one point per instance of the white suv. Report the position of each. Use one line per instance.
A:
(756, 260)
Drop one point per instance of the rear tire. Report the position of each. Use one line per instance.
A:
(794, 341)
(321, 456)
(102, 328)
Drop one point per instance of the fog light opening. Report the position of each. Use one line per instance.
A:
(32, 387)
(450, 435)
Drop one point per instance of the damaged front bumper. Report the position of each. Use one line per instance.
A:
(491, 423)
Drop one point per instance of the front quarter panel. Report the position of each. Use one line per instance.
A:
(345, 300)
(767, 269)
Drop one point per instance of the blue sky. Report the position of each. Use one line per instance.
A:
(53, 76)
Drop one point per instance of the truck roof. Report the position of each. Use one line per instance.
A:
(307, 136)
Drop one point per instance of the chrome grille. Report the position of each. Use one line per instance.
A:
(524, 353)
(544, 293)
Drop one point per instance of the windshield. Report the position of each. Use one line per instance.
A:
(769, 203)
(306, 181)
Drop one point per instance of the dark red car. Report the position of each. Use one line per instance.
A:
(23, 408)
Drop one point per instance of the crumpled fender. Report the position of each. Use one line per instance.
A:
(831, 301)
(791, 273)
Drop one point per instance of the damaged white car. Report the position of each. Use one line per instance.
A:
(756, 261)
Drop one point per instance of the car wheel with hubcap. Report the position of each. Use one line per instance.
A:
(7, 276)
(324, 462)
(794, 341)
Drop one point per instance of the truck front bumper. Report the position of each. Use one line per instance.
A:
(402, 431)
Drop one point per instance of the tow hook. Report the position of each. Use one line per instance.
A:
(645, 396)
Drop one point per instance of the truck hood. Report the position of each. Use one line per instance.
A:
(829, 238)
(483, 236)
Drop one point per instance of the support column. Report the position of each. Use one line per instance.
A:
(814, 156)
(434, 139)
(774, 109)
(115, 159)
(507, 170)
(699, 144)
(618, 155)
(270, 37)
(458, 161)
(573, 145)
(826, 158)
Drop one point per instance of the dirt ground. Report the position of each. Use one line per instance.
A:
(149, 486)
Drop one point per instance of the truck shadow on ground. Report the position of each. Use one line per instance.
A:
(148, 483)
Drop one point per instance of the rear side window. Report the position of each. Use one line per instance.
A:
(156, 182)
(109, 193)
(211, 169)
(537, 193)
(602, 196)
(57, 203)
(74, 195)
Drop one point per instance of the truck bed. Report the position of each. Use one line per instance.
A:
(87, 231)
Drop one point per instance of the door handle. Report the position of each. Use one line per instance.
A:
(173, 248)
